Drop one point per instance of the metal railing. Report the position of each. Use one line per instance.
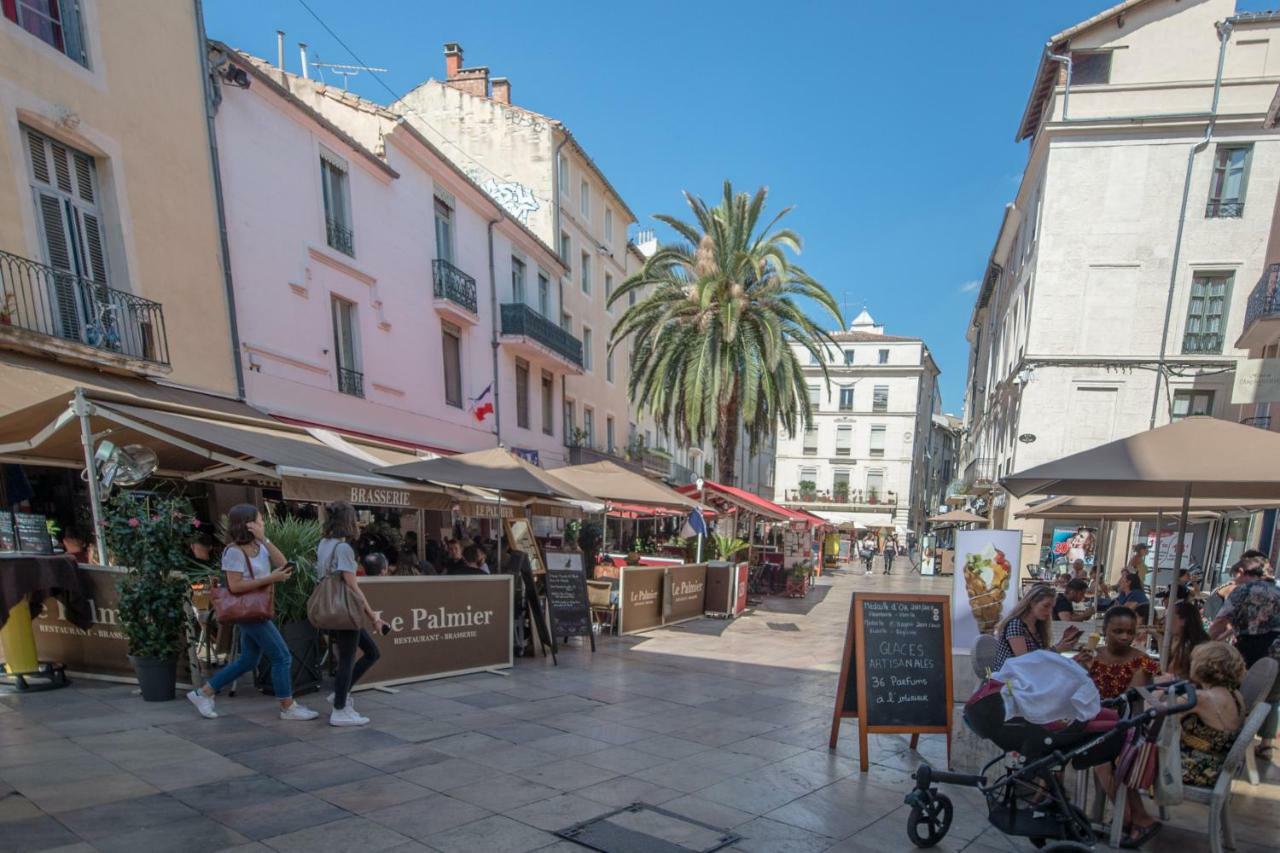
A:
(350, 382)
(681, 475)
(1259, 421)
(58, 304)
(840, 498)
(655, 462)
(980, 473)
(451, 283)
(1194, 343)
(1227, 209)
(1264, 299)
(520, 319)
(339, 236)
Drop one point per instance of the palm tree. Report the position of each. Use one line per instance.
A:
(713, 336)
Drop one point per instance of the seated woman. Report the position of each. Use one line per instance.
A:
(1186, 632)
(1209, 730)
(1130, 592)
(1026, 628)
(1114, 668)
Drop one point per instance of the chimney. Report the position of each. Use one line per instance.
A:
(302, 54)
(473, 81)
(452, 59)
(502, 90)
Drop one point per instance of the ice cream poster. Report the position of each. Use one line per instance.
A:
(986, 583)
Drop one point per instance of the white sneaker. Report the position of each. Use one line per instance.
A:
(203, 703)
(297, 711)
(351, 703)
(347, 717)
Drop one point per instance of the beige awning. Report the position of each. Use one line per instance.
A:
(957, 516)
(1117, 509)
(608, 481)
(497, 468)
(1212, 457)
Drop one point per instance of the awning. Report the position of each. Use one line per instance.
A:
(746, 501)
(957, 516)
(496, 468)
(608, 481)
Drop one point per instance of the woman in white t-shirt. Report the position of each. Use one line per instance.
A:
(251, 562)
(335, 554)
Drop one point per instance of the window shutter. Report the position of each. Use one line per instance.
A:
(72, 31)
(84, 177)
(65, 308)
(61, 167)
(93, 247)
(39, 158)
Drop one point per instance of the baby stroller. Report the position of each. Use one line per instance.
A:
(1027, 800)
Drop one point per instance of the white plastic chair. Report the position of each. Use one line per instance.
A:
(1257, 684)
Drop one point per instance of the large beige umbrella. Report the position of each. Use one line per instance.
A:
(1113, 508)
(957, 516)
(608, 481)
(497, 468)
(1197, 457)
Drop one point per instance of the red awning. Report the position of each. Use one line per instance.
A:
(618, 509)
(749, 502)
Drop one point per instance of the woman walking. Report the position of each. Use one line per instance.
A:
(251, 562)
(335, 554)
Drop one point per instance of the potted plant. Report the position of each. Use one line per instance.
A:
(840, 492)
(297, 539)
(873, 496)
(798, 580)
(728, 547)
(148, 535)
(807, 490)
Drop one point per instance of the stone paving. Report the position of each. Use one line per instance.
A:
(726, 723)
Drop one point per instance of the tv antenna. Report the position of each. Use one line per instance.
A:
(346, 72)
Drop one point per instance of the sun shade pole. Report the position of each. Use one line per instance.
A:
(83, 410)
(1177, 568)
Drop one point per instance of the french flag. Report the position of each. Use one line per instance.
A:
(480, 406)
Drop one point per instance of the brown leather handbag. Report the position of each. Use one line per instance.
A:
(332, 605)
(256, 605)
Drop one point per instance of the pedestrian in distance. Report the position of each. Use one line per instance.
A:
(251, 562)
(335, 555)
(890, 549)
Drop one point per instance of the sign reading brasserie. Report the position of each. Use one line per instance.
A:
(323, 491)
(895, 676)
(441, 625)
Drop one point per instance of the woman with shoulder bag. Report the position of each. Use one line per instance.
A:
(336, 557)
(251, 563)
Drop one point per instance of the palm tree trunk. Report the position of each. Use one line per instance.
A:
(726, 441)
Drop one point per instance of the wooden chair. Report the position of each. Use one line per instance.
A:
(1257, 685)
(604, 611)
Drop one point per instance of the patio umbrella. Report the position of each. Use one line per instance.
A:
(496, 468)
(608, 481)
(957, 516)
(1196, 457)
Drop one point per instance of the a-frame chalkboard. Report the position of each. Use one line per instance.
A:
(895, 675)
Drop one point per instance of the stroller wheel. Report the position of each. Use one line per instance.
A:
(928, 824)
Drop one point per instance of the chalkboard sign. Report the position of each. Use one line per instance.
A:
(896, 673)
(566, 586)
(8, 534)
(33, 533)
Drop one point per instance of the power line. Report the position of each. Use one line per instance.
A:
(394, 97)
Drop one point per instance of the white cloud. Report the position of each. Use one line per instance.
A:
(970, 286)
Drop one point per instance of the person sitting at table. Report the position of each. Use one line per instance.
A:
(1064, 605)
(1186, 632)
(472, 563)
(1026, 628)
(1130, 592)
(1210, 729)
(453, 556)
(78, 543)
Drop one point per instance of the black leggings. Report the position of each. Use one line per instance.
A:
(349, 669)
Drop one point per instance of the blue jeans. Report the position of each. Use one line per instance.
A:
(257, 639)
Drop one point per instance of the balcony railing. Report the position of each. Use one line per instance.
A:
(1224, 209)
(520, 319)
(855, 497)
(350, 382)
(655, 462)
(58, 304)
(451, 283)
(340, 237)
(681, 475)
(1264, 299)
(979, 474)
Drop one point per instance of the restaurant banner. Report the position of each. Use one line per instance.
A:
(361, 494)
(640, 598)
(440, 625)
(688, 593)
(985, 585)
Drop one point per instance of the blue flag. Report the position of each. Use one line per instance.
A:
(698, 523)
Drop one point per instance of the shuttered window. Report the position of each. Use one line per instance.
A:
(522, 393)
(452, 338)
(55, 22)
(64, 183)
(844, 440)
(877, 442)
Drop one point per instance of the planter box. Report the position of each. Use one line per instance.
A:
(303, 641)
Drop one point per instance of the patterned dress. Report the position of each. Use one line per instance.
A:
(1112, 679)
(1204, 749)
(1015, 628)
(1254, 611)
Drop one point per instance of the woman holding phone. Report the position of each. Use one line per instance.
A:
(251, 562)
(1026, 628)
(335, 555)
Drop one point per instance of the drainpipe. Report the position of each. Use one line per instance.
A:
(493, 323)
(1224, 35)
(219, 203)
(555, 206)
(1064, 59)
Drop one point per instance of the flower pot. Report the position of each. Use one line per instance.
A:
(158, 677)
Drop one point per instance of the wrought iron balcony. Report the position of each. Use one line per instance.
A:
(1263, 305)
(340, 237)
(521, 320)
(57, 304)
(451, 283)
(841, 498)
(350, 382)
(1226, 209)
(980, 475)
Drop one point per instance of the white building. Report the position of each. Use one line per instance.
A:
(379, 291)
(1117, 284)
(864, 460)
(539, 172)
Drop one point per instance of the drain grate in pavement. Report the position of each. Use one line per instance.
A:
(783, 626)
(639, 828)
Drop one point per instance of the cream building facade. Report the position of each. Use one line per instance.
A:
(539, 172)
(865, 459)
(109, 238)
(1117, 285)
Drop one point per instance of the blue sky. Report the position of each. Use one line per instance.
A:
(889, 127)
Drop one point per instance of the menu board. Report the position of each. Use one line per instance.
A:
(8, 534)
(26, 532)
(896, 673)
(567, 602)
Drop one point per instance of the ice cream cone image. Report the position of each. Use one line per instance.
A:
(986, 580)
